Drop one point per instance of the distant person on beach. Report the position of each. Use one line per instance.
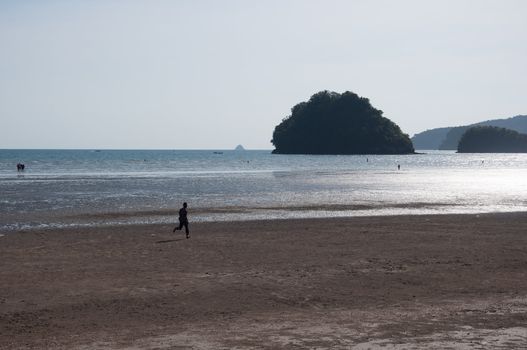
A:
(398, 166)
(183, 221)
(20, 167)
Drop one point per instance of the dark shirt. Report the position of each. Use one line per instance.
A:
(182, 214)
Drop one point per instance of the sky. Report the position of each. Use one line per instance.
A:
(214, 74)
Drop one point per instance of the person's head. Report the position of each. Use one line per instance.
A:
(185, 205)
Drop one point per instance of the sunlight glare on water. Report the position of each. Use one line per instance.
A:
(77, 187)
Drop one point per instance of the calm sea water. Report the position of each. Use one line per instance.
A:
(84, 187)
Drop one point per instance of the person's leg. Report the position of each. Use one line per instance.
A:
(186, 229)
(178, 227)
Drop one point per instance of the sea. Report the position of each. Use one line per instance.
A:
(79, 188)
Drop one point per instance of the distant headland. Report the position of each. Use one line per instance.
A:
(448, 138)
(491, 139)
(334, 123)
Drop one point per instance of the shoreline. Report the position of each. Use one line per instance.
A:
(363, 282)
(243, 214)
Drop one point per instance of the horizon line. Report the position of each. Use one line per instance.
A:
(132, 149)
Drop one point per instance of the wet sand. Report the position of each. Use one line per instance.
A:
(402, 282)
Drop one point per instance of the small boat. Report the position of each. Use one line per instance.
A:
(216, 152)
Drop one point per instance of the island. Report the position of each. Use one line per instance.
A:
(334, 123)
(239, 148)
(448, 138)
(492, 139)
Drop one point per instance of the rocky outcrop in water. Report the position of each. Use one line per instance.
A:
(333, 123)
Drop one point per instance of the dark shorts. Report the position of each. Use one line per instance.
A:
(183, 223)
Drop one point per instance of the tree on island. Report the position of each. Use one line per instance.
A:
(333, 123)
(491, 139)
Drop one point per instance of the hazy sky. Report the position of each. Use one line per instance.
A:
(214, 74)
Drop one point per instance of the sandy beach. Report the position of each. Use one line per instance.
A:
(405, 282)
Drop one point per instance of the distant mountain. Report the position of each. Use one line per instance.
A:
(430, 139)
(448, 138)
(492, 139)
(239, 148)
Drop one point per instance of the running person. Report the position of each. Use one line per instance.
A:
(183, 221)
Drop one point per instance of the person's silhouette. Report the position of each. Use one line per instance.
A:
(183, 221)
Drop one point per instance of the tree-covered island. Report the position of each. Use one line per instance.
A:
(492, 139)
(333, 123)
